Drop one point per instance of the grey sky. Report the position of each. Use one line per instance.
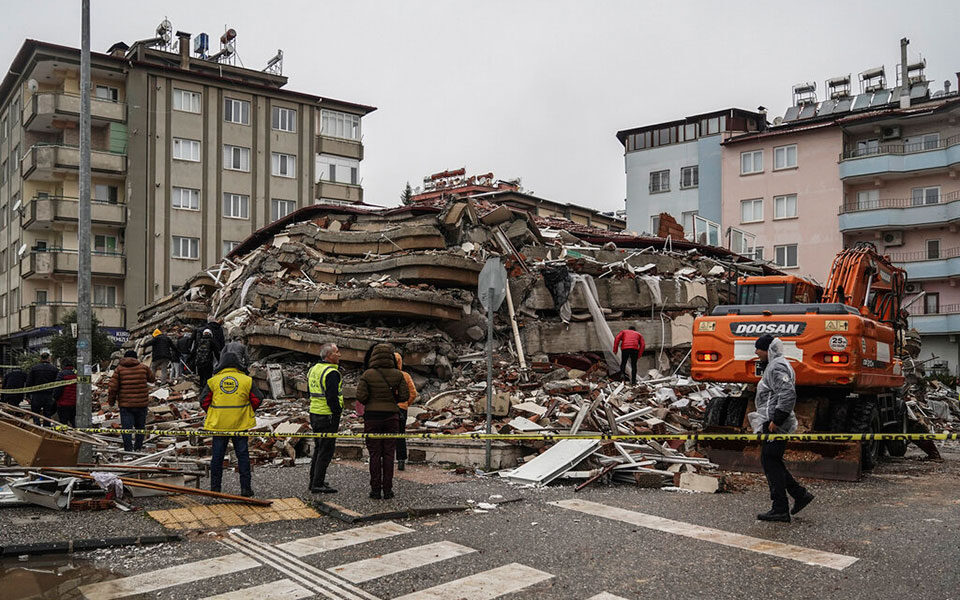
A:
(530, 89)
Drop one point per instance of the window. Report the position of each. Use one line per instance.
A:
(655, 224)
(867, 147)
(284, 119)
(931, 303)
(228, 246)
(105, 243)
(785, 157)
(185, 198)
(659, 181)
(758, 253)
(186, 149)
(14, 162)
(337, 169)
(104, 295)
(3, 172)
(785, 207)
(927, 141)
(15, 110)
(687, 223)
(341, 125)
(751, 211)
(236, 206)
(281, 208)
(236, 158)
(105, 193)
(689, 177)
(751, 162)
(106, 92)
(3, 260)
(186, 100)
(868, 199)
(690, 131)
(925, 195)
(284, 165)
(186, 247)
(706, 231)
(41, 297)
(3, 305)
(3, 129)
(785, 256)
(933, 249)
(236, 111)
(741, 242)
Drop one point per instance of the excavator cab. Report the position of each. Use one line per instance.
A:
(777, 289)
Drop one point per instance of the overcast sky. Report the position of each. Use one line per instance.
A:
(529, 89)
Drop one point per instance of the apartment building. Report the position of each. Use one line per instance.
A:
(190, 155)
(880, 166)
(676, 168)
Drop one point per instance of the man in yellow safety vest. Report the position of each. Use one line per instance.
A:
(230, 400)
(326, 405)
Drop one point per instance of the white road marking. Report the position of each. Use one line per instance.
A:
(396, 562)
(606, 596)
(171, 576)
(283, 589)
(483, 586)
(717, 536)
(342, 539)
(232, 563)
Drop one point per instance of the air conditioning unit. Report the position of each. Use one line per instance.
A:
(912, 288)
(890, 133)
(893, 238)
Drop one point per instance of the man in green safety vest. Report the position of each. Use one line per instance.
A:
(326, 404)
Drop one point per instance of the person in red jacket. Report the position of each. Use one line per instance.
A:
(631, 343)
(66, 396)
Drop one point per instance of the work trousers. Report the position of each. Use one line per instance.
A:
(629, 355)
(160, 368)
(45, 406)
(402, 442)
(242, 449)
(177, 369)
(381, 451)
(67, 415)
(204, 371)
(323, 448)
(778, 477)
(133, 418)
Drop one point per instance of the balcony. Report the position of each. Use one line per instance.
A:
(44, 109)
(898, 212)
(339, 147)
(63, 264)
(919, 265)
(945, 321)
(57, 212)
(35, 316)
(344, 192)
(52, 163)
(886, 159)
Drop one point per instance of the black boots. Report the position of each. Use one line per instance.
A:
(401, 465)
(375, 494)
(323, 489)
(800, 503)
(781, 517)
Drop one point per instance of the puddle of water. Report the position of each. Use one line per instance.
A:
(51, 577)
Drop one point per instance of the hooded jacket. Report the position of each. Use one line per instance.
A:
(163, 348)
(66, 395)
(411, 387)
(230, 398)
(41, 373)
(629, 339)
(776, 393)
(128, 386)
(382, 387)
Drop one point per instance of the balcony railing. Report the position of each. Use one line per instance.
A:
(943, 309)
(51, 314)
(339, 147)
(882, 203)
(61, 104)
(900, 148)
(334, 190)
(43, 211)
(58, 263)
(46, 158)
(922, 255)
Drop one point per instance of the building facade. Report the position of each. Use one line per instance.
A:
(676, 168)
(189, 157)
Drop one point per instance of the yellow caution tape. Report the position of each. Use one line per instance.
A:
(44, 386)
(697, 437)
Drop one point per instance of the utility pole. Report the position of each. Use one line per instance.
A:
(84, 350)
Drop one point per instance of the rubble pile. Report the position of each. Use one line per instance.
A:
(409, 276)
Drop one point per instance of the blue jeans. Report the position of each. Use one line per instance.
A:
(133, 418)
(242, 449)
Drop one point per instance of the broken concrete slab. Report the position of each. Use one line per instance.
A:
(410, 303)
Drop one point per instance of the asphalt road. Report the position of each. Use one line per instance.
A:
(895, 534)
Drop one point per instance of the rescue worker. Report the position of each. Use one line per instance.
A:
(402, 427)
(380, 389)
(41, 401)
(164, 352)
(776, 397)
(15, 379)
(230, 401)
(66, 396)
(326, 406)
(205, 356)
(130, 390)
(184, 344)
(632, 345)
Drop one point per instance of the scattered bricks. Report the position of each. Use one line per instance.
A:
(698, 483)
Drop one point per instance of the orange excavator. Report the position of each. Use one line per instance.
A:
(843, 342)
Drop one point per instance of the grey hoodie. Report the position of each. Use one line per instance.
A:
(776, 393)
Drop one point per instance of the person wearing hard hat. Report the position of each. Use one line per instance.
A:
(164, 351)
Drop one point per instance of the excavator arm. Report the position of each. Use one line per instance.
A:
(863, 278)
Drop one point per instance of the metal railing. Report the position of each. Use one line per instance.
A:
(881, 203)
(72, 199)
(922, 255)
(899, 148)
(943, 309)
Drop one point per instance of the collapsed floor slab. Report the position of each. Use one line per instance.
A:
(373, 301)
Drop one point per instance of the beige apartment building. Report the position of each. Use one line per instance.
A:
(190, 155)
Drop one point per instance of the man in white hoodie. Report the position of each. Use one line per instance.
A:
(776, 397)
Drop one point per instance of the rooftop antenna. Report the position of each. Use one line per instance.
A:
(228, 46)
(164, 35)
(275, 64)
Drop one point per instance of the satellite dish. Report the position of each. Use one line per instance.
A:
(33, 86)
(22, 249)
(165, 30)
